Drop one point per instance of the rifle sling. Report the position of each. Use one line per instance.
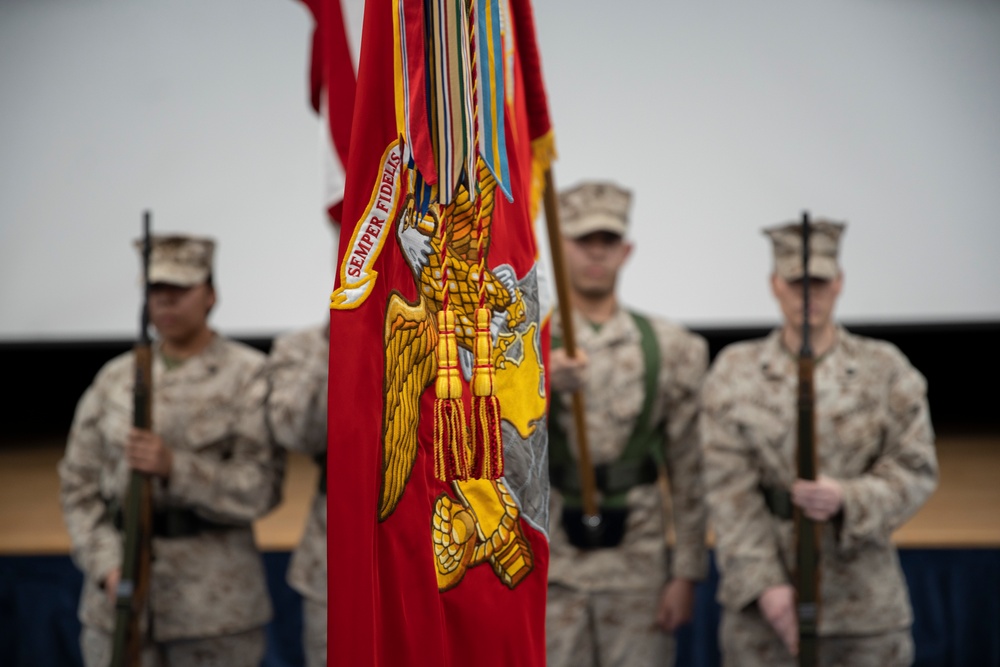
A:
(778, 501)
(612, 479)
(642, 453)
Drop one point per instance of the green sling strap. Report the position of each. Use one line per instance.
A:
(643, 451)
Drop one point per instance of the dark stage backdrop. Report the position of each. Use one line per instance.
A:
(47, 378)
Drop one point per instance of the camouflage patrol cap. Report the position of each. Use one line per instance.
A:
(594, 207)
(824, 244)
(179, 259)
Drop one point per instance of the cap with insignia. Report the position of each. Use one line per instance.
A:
(178, 259)
(594, 207)
(824, 244)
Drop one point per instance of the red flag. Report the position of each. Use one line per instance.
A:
(538, 142)
(332, 84)
(424, 571)
(530, 70)
(535, 137)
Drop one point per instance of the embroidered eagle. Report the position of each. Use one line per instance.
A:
(411, 365)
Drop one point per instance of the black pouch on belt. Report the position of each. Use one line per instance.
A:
(604, 531)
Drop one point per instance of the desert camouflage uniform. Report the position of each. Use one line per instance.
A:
(296, 414)
(873, 435)
(209, 585)
(241, 648)
(603, 602)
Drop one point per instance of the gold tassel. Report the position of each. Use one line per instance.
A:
(451, 461)
(487, 442)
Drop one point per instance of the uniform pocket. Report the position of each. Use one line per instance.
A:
(766, 433)
(859, 435)
(626, 403)
(115, 425)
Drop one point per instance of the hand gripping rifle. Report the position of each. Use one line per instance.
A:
(806, 530)
(133, 587)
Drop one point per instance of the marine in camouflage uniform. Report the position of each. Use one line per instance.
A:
(296, 415)
(618, 605)
(213, 471)
(876, 462)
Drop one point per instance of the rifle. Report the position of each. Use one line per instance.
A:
(133, 587)
(806, 530)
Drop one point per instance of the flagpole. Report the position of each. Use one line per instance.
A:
(591, 516)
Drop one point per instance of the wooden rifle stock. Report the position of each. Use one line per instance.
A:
(806, 530)
(133, 586)
(588, 485)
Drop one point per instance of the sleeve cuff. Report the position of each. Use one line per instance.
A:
(691, 564)
(106, 554)
(742, 584)
(857, 523)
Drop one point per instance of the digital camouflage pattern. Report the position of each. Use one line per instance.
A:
(873, 435)
(208, 410)
(179, 259)
(297, 372)
(613, 397)
(243, 649)
(617, 627)
(747, 640)
(594, 207)
(824, 247)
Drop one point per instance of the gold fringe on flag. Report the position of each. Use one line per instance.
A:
(451, 460)
(543, 153)
(487, 442)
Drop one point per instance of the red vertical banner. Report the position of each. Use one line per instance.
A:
(532, 107)
(428, 565)
(332, 84)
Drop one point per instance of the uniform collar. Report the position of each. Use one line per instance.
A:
(206, 362)
(777, 361)
(618, 329)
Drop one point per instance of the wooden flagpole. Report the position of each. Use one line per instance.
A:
(591, 515)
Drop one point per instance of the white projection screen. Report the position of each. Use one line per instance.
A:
(722, 116)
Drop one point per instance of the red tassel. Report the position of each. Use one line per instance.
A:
(487, 462)
(487, 441)
(450, 460)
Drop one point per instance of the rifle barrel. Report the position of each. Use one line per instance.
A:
(806, 530)
(133, 586)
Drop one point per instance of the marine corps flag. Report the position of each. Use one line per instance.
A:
(437, 470)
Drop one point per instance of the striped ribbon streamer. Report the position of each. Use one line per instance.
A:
(451, 103)
(490, 91)
(409, 65)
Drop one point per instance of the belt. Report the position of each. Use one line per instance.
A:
(171, 522)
